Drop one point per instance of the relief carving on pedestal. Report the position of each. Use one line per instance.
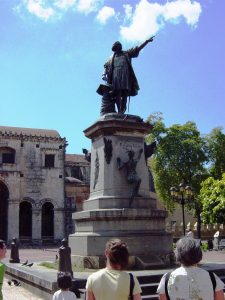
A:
(96, 170)
(108, 150)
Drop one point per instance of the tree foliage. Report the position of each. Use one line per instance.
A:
(216, 145)
(212, 195)
(180, 156)
(184, 155)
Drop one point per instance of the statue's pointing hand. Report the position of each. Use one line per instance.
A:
(151, 39)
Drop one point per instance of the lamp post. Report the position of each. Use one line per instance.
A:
(182, 194)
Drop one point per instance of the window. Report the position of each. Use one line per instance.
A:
(8, 158)
(49, 160)
(76, 173)
(7, 155)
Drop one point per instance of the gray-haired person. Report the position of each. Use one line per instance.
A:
(189, 282)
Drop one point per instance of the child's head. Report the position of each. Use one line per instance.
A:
(64, 280)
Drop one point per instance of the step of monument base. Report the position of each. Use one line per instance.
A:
(88, 248)
(105, 202)
(116, 220)
(135, 262)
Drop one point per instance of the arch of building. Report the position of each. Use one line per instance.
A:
(42, 214)
(4, 196)
(25, 220)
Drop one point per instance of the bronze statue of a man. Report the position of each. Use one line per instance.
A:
(120, 74)
(14, 255)
(65, 264)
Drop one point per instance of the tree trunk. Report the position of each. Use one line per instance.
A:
(199, 224)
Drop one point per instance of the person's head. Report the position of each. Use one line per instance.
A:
(117, 254)
(2, 249)
(117, 46)
(188, 251)
(64, 280)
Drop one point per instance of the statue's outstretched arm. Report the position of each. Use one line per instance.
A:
(145, 43)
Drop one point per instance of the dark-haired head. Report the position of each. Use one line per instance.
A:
(3, 249)
(188, 251)
(64, 280)
(117, 254)
(2, 244)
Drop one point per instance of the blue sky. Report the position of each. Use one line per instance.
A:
(52, 55)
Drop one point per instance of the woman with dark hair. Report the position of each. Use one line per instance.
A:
(113, 282)
(189, 282)
(2, 266)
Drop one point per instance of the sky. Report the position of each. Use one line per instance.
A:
(52, 54)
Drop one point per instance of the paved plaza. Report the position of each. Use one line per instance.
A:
(13, 292)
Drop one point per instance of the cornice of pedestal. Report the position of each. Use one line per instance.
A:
(118, 124)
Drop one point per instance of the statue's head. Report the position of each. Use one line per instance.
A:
(117, 46)
(64, 242)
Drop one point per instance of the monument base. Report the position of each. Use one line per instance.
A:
(140, 229)
(149, 253)
(120, 204)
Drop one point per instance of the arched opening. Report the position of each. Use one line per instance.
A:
(25, 221)
(47, 226)
(4, 196)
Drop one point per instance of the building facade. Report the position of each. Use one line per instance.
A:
(32, 185)
(77, 186)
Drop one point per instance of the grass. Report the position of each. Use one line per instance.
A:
(55, 266)
(49, 265)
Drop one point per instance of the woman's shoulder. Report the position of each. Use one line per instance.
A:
(192, 269)
(98, 273)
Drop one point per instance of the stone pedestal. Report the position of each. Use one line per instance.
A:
(110, 210)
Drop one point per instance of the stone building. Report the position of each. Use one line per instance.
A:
(77, 186)
(32, 188)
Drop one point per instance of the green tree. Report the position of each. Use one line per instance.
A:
(216, 145)
(212, 195)
(180, 156)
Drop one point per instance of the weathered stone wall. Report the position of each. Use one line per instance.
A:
(29, 180)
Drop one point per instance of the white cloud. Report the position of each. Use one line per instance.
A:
(39, 9)
(105, 14)
(65, 4)
(186, 8)
(139, 22)
(128, 11)
(87, 6)
(49, 9)
(148, 18)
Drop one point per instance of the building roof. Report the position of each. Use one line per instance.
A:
(29, 131)
(76, 158)
(73, 180)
